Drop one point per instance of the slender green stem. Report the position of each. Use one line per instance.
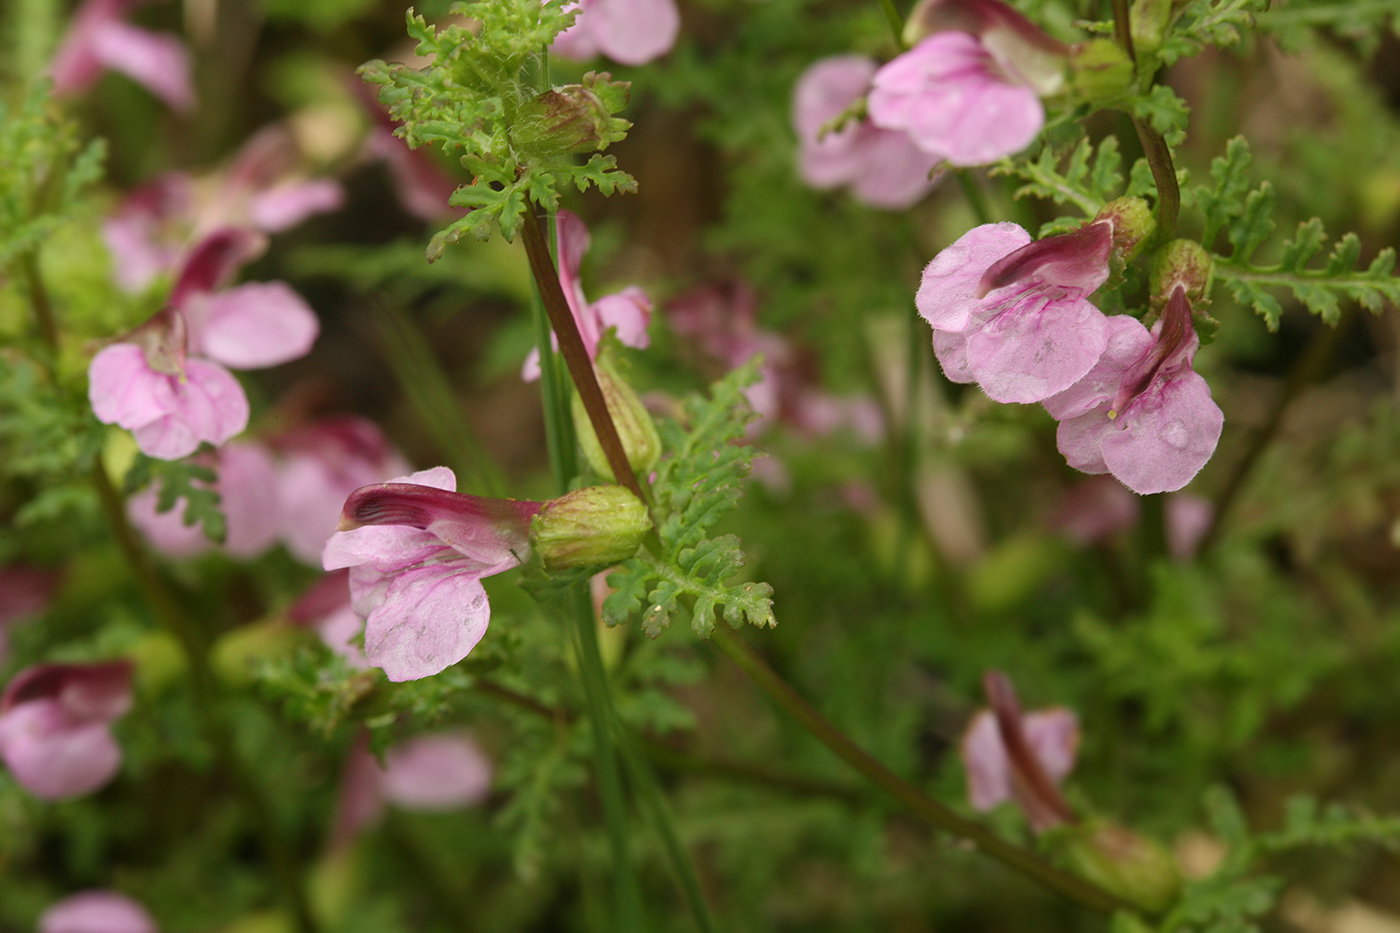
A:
(1159, 159)
(917, 801)
(39, 299)
(896, 23)
(202, 690)
(575, 354)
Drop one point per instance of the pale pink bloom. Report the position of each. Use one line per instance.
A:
(998, 772)
(1013, 315)
(883, 167)
(417, 551)
(627, 311)
(956, 101)
(432, 773)
(148, 230)
(99, 40)
(322, 463)
(1142, 413)
(326, 608)
(632, 32)
(97, 912)
(247, 488)
(54, 734)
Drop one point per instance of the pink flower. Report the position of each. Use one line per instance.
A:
(432, 773)
(322, 463)
(1009, 756)
(99, 40)
(247, 488)
(417, 551)
(884, 168)
(632, 32)
(956, 101)
(53, 726)
(97, 912)
(326, 608)
(153, 384)
(629, 311)
(1013, 315)
(1142, 413)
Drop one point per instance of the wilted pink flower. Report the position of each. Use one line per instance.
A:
(956, 101)
(632, 32)
(153, 384)
(445, 771)
(322, 463)
(417, 551)
(1142, 413)
(1009, 756)
(629, 311)
(53, 726)
(247, 488)
(98, 40)
(326, 608)
(1013, 315)
(97, 912)
(883, 167)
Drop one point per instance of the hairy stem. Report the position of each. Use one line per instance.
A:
(915, 800)
(575, 354)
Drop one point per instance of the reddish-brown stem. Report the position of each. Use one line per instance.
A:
(1028, 775)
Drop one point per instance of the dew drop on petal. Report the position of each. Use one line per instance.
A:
(1174, 434)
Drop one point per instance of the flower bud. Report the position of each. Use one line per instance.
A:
(1182, 263)
(633, 422)
(591, 527)
(1149, 19)
(1132, 223)
(1137, 870)
(1100, 70)
(574, 117)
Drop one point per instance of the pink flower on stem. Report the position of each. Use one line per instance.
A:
(53, 726)
(628, 311)
(99, 39)
(153, 383)
(1010, 756)
(247, 488)
(322, 463)
(883, 167)
(632, 32)
(97, 912)
(1013, 315)
(1142, 413)
(417, 551)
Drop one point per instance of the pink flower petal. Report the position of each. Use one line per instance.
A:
(629, 311)
(52, 758)
(96, 912)
(158, 62)
(283, 206)
(632, 32)
(255, 325)
(1166, 438)
(436, 772)
(429, 619)
(1036, 348)
(947, 296)
(208, 406)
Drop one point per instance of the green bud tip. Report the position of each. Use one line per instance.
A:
(1132, 222)
(1123, 863)
(1183, 263)
(592, 527)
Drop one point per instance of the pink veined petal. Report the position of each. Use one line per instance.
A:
(208, 406)
(390, 547)
(285, 205)
(255, 325)
(947, 291)
(897, 174)
(629, 311)
(576, 43)
(951, 350)
(158, 62)
(984, 759)
(994, 120)
(123, 389)
(1127, 341)
(826, 89)
(1168, 434)
(96, 912)
(436, 772)
(632, 32)
(1079, 440)
(1036, 348)
(429, 619)
(52, 757)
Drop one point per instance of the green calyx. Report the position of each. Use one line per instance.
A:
(593, 527)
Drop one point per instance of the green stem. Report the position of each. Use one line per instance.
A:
(1159, 159)
(1122, 27)
(896, 23)
(202, 690)
(575, 354)
(915, 800)
(39, 299)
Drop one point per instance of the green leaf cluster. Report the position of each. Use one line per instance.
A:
(186, 480)
(699, 483)
(1246, 217)
(1202, 23)
(479, 99)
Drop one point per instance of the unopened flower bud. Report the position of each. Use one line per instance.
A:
(633, 422)
(574, 117)
(1136, 869)
(1132, 223)
(1183, 263)
(591, 527)
(1100, 70)
(1149, 19)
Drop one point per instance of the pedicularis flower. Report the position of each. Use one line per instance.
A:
(884, 168)
(54, 734)
(153, 381)
(628, 311)
(632, 32)
(100, 39)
